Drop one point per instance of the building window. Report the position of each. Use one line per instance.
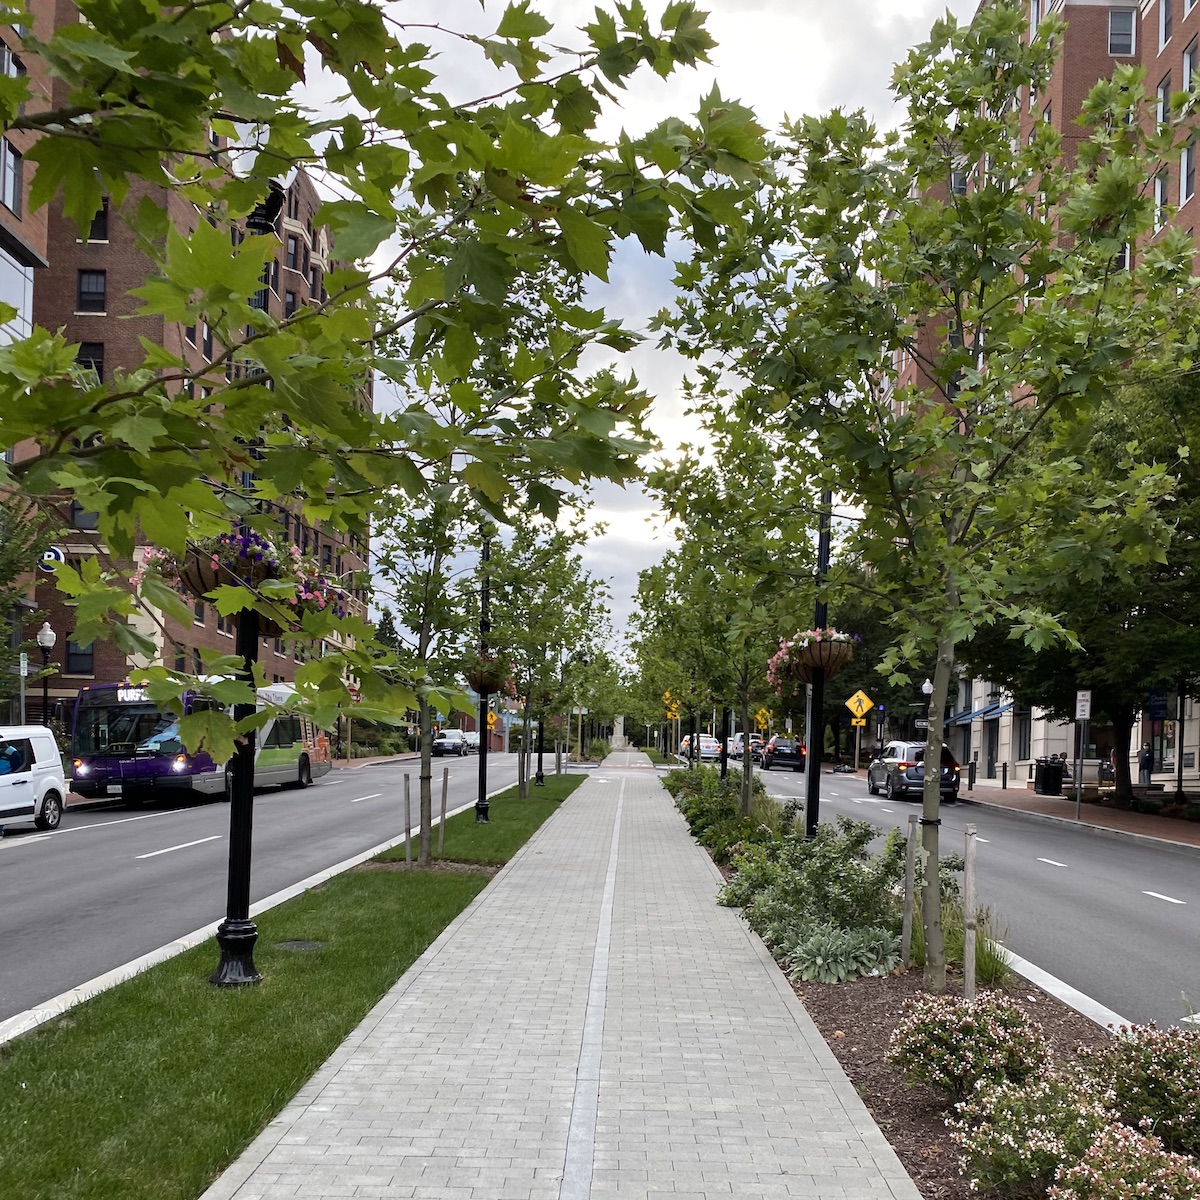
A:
(207, 341)
(98, 231)
(293, 252)
(1120, 32)
(1035, 17)
(1121, 261)
(197, 662)
(1191, 60)
(223, 623)
(80, 659)
(1187, 172)
(1164, 100)
(289, 303)
(1166, 18)
(1161, 199)
(11, 174)
(1048, 113)
(91, 358)
(1023, 733)
(91, 293)
(198, 619)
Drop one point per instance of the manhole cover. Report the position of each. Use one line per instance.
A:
(299, 947)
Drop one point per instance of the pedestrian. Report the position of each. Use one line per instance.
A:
(1145, 763)
(1112, 764)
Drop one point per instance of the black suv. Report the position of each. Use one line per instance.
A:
(783, 752)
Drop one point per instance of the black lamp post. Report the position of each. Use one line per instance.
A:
(237, 934)
(481, 802)
(812, 767)
(46, 637)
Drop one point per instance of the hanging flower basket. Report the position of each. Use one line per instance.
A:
(487, 674)
(248, 559)
(815, 649)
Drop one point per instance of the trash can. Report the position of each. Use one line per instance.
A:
(1048, 777)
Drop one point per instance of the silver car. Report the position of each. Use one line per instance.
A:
(899, 772)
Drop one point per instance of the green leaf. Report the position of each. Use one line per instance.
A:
(520, 22)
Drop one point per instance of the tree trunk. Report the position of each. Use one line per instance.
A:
(931, 896)
(1122, 723)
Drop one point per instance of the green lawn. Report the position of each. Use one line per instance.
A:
(149, 1090)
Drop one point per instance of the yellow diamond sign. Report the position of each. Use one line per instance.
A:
(859, 703)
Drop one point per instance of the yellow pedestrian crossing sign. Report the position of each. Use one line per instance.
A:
(859, 703)
(492, 720)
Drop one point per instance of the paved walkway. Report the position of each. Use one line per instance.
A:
(594, 1025)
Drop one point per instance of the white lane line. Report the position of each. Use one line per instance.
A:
(983, 840)
(372, 796)
(1052, 862)
(41, 837)
(882, 809)
(1168, 899)
(183, 846)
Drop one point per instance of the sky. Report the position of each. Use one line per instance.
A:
(781, 58)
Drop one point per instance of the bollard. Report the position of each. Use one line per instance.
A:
(407, 826)
(910, 887)
(971, 768)
(442, 826)
(1004, 776)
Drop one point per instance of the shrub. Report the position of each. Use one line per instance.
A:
(598, 750)
(1155, 1077)
(712, 808)
(954, 1044)
(832, 955)
(1122, 1164)
(1016, 1136)
(991, 959)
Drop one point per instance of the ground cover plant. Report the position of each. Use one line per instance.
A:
(149, 1090)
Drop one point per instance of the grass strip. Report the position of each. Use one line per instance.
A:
(511, 823)
(149, 1090)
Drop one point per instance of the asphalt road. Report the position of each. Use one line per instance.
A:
(1113, 916)
(112, 884)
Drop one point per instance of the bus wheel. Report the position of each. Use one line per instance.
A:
(305, 777)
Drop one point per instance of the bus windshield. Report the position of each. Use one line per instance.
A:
(121, 728)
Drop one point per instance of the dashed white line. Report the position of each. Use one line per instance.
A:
(182, 846)
(882, 809)
(1160, 896)
(372, 796)
(1052, 862)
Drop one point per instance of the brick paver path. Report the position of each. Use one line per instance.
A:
(594, 1025)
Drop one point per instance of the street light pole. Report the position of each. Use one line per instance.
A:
(812, 767)
(46, 637)
(539, 780)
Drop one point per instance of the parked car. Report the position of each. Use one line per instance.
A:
(757, 742)
(737, 745)
(471, 737)
(449, 741)
(899, 771)
(783, 751)
(710, 747)
(32, 786)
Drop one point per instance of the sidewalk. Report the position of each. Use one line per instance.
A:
(593, 1025)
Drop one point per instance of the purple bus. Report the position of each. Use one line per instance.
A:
(123, 744)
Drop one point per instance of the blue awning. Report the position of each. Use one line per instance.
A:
(965, 718)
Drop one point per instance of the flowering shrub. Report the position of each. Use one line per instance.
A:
(1016, 1136)
(955, 1044)
(781, 666)
(1122, 1164)
(1155, 1075)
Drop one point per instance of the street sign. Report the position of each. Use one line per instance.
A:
(921, 723)
(859, 703)
(52, 556)
(24, 665)
(492, 720)
(858, 720)
(762, 718)
(1083, 706)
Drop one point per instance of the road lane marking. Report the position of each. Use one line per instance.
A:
(882, 809)
(183, 846)
(372, 796)
(984, 840)
(1052, 862)
(1168, 899)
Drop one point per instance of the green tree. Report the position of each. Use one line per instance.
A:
(987, 262)
(472, 196)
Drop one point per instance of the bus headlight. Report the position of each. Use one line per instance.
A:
(180, 763)
(79, 768)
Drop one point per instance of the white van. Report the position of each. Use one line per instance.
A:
(32, 787)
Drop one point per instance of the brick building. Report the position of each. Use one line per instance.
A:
(80, 286)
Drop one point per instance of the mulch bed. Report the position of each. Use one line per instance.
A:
(857, 1019)
(438, 864)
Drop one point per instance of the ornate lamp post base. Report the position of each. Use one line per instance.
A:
(236, 968)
